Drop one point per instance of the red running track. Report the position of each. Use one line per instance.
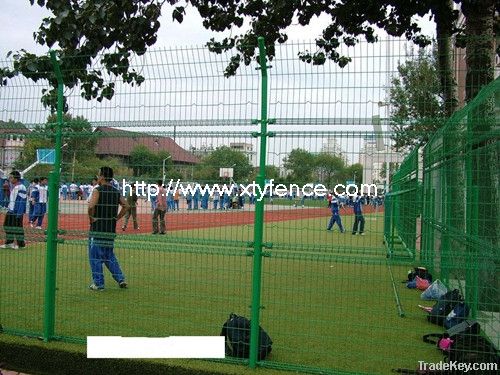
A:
(206, 219)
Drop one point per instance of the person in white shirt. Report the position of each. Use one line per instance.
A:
(39, 196)
(73, 189)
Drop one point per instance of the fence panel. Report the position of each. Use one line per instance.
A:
(331, 300)
(461, 205)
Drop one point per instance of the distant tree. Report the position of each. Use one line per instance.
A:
(223, 157)
(78, 144)
(329, 168)
(354, 171)
(416, 99)
(301, 164)
(147, 163)
(272, 172)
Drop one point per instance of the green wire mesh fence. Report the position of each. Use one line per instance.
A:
(332, 301)
(401, 231)
(460, 208)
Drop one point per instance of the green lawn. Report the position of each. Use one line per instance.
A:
(298, 202)
(327, 298)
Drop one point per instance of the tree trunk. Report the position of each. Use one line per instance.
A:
(480, 46)
(482, 155)
(444, 25)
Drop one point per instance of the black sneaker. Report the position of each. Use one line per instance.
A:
(123, 285)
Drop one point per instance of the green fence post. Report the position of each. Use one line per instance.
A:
(52, 231)
(259, 213)
(475, 263)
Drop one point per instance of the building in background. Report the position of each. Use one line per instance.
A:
(12, 138)
(374, 161)
(120, 143)
(332, 147)
(202, 150)
(247, 149)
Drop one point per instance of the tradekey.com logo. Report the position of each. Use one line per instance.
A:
(270, 189)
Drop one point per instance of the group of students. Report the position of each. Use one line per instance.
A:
(359, 221)
(73, 191)
(18, 197)
(220, 201)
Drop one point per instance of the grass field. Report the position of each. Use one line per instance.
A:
(327, 298)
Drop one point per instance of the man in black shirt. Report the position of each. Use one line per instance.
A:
(103, 215)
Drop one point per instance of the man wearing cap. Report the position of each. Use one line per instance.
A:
(13, 224)
(103, 215)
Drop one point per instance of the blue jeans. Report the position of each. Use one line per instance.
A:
(98, 255)
(335, 219)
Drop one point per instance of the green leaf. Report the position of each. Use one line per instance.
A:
(178, 14)
(31, 66)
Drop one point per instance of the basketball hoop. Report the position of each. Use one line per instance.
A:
(226, 172)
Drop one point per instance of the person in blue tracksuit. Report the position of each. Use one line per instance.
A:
(13, 224)
(33, 186)
(64, 191)
(170, 199)
(39, 196)
(335, 208)
(204, 200)
(359, 220)
(226, 202)
(196, 198)
(189, 200)
(216, 197)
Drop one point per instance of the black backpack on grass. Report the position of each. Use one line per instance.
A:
(236, 330)
(444, 306)
(468, 346)
(420, 272)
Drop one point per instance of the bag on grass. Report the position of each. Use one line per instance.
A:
(473, 348)
(434, 291)
(468, 345)
(459, 313)
(412, 284)
(466, 328)
(420, 272)
(443, 307)
(422, 284)
(236, 330)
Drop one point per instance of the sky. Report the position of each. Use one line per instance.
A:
(321, 95)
